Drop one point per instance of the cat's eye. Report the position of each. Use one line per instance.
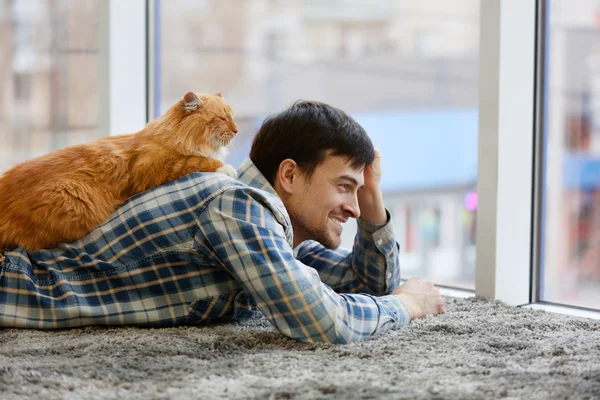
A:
(223, 118)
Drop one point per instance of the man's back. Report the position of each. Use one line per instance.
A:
(139, 267)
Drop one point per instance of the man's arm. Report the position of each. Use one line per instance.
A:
(239, 231)
(419, 296)
(372, 266)
(370, 197)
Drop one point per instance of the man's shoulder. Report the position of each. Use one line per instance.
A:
(188, 192)
(209, 184)
(236, 189)
(208, 181)
(249, 203)
(248, 196)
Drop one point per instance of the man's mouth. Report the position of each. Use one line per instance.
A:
(338, 221)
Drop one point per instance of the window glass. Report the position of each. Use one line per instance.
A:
(49, 66)
(571, 220)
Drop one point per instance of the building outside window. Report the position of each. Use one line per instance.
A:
(571, 199)
(49, 68)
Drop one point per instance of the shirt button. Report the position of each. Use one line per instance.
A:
(379, 242)
(389, 275)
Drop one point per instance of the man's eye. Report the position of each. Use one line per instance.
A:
(345, 187)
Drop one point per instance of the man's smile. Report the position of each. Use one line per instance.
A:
(338, 221)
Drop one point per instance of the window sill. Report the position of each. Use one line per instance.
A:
(455, 293)
(565, 310)
(575, 312)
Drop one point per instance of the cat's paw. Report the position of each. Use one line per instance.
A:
(228, 170)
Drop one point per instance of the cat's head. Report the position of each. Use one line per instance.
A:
(202, 122)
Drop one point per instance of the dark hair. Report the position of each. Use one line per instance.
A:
(306, 132)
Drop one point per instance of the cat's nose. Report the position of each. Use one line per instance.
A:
(235, 130)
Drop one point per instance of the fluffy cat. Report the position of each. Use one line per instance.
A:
(61, 196)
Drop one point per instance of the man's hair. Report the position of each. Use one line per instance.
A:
(307, 132)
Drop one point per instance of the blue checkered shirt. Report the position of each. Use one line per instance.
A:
(208, 248)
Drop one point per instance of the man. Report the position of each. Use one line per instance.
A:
(207, 247)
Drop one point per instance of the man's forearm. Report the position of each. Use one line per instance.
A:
(371, 207)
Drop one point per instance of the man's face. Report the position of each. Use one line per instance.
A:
(320, 205)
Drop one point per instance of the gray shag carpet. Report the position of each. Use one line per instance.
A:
(479, 349)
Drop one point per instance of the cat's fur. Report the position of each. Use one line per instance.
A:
(61, 196)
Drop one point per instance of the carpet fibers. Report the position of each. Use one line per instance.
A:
(479, 349)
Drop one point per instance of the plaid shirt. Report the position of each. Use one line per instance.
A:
(204, 248)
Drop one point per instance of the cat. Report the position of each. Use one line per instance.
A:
(61, 196)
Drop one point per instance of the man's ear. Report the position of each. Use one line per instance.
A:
(191, 102)
(287, 175)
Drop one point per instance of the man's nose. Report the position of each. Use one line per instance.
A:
(352, 207)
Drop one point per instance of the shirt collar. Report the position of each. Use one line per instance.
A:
(248, 174)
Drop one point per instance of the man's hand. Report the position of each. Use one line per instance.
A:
(420, 297)
(370, 198)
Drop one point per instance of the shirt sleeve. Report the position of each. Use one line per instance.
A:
(372, 266)
(239, 231)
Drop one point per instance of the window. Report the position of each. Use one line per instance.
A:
(571, 200)
(49, 68)
(406, 71)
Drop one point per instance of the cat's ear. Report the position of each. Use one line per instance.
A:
(219, 95)
(191, 102)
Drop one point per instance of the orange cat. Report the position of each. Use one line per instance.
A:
(63, 195)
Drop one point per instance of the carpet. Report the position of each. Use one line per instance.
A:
(479, 349)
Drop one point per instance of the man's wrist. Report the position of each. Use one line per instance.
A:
(412, 307)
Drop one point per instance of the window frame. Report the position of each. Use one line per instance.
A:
(505, 186)
(123, 97)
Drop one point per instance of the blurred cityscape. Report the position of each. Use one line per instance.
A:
(407, 71)
(571, 242)
(49, 66)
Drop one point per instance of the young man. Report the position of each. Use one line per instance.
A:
(207, 247)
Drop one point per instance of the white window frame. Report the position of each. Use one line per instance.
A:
(505, 158)
(123, 54)
(153, 35)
